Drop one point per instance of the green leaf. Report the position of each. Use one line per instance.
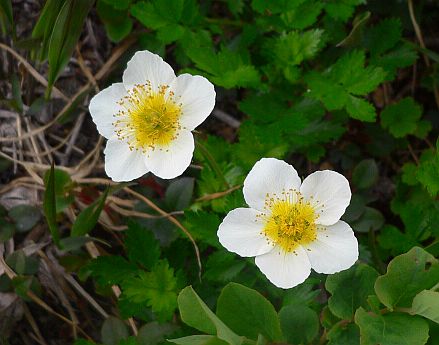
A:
(300, 324)
(341, 10)
(25, 217)
(407, 275)
(358, 26)
(349, 289)
(428, 172)
(141, 245)
(129, 341)
(203, 226)
(110, 270)
(295, 47)
(44, 26)
(391, 329)
(63, 188)
(89, 217)
(344, 334)
(6, 12)
(154, 333)
(256, 315)
(391, 238)
(383, 36)
(426, 304)
(401, 119)
(358, 80)
(156, 289)
(22, 264)
(198, 340)
(223, 267)
(226, 69)
(118, 4)
(195, 313)
(179, 193)
(302, 15)
(49, 205)
(360, 109)
(117, 22)
(365, 174)
(7, 230)
(113, 331)
(65, 35)
(370, 220)
(333, 96)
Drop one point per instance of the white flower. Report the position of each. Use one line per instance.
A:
(148, 118)
(291, 226)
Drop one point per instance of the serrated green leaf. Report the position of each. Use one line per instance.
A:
(350, 289)
(341, 10)
(141, 245)
(407, 275)
(303, 15)
(110, 270)
(360, 109)
(391, 329)
(295, 47)
(156, 289)
(428, 171)
(400, 119)
(383, 36)
(256, 315)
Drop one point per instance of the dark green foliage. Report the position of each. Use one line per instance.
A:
(322, 84)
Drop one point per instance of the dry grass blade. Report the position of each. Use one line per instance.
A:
(11, 274)
(56, 92)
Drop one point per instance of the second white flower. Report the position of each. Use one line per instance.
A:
(292, 226)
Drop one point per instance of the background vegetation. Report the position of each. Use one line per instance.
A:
(350, 85)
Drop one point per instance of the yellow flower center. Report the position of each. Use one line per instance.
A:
(149, 119)
(290, 220)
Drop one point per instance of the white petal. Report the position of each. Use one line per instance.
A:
(334, 250)
(172, 160)
(330, 193)
(197, 96)
(103, 106)
(268, 175)
(121, 164)
(285, 270)
(240, 232)
(145, 66)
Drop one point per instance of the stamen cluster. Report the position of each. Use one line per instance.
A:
(149, 118)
